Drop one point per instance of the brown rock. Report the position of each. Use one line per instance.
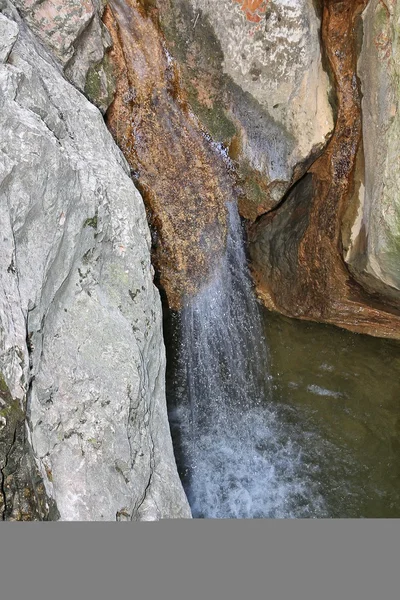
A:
(183, 177)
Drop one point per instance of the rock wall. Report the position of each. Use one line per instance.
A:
(372, 229)
(267, 79)
(297, 250)
(81, 350)
(254, 75)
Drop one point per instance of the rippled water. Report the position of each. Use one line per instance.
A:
(344, 390)
(273, 417)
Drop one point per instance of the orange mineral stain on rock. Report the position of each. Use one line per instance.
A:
(183, 178)
(253, 9)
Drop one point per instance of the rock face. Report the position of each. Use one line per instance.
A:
(372, 239)
(266, 78)
(81, 346)
(183, 176)
(76, 36)
(254, 75)
(297, 250)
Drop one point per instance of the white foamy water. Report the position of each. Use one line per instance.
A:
(241, 459)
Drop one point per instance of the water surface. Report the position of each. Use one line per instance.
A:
(344, 389)
(273, 417)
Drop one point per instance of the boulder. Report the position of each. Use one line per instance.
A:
(81, 345)
(372, 227)
(254, 75)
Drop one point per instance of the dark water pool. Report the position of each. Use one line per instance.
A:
(343, 389)
(326, 438)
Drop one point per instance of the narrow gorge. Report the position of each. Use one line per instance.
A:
(200, 290)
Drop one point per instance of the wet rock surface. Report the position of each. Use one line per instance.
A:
(183, 176)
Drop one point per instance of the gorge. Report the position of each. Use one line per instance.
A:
(197, 199)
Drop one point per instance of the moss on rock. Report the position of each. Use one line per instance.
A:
(23, 496)
(100, 84)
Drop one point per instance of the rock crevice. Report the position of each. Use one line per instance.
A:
(315, 283)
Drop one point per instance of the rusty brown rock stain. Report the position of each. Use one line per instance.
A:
(183, 178)
(319, 286)
(253, 10)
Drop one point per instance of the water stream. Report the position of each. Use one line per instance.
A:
(272, 417)
(239, 460)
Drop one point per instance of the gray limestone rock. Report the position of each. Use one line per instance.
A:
(80, 318)
(73, 31)
(372, 246)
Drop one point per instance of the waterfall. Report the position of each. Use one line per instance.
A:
(238, 458)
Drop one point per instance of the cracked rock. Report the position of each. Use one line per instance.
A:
(82, 362)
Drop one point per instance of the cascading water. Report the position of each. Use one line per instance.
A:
(238, 458)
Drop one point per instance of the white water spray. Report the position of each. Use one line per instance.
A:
(240, 460)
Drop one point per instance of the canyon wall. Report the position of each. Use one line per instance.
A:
(298, 92)
(372, 228)
(84, 433)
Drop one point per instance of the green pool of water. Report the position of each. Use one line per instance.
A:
(342, 392)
